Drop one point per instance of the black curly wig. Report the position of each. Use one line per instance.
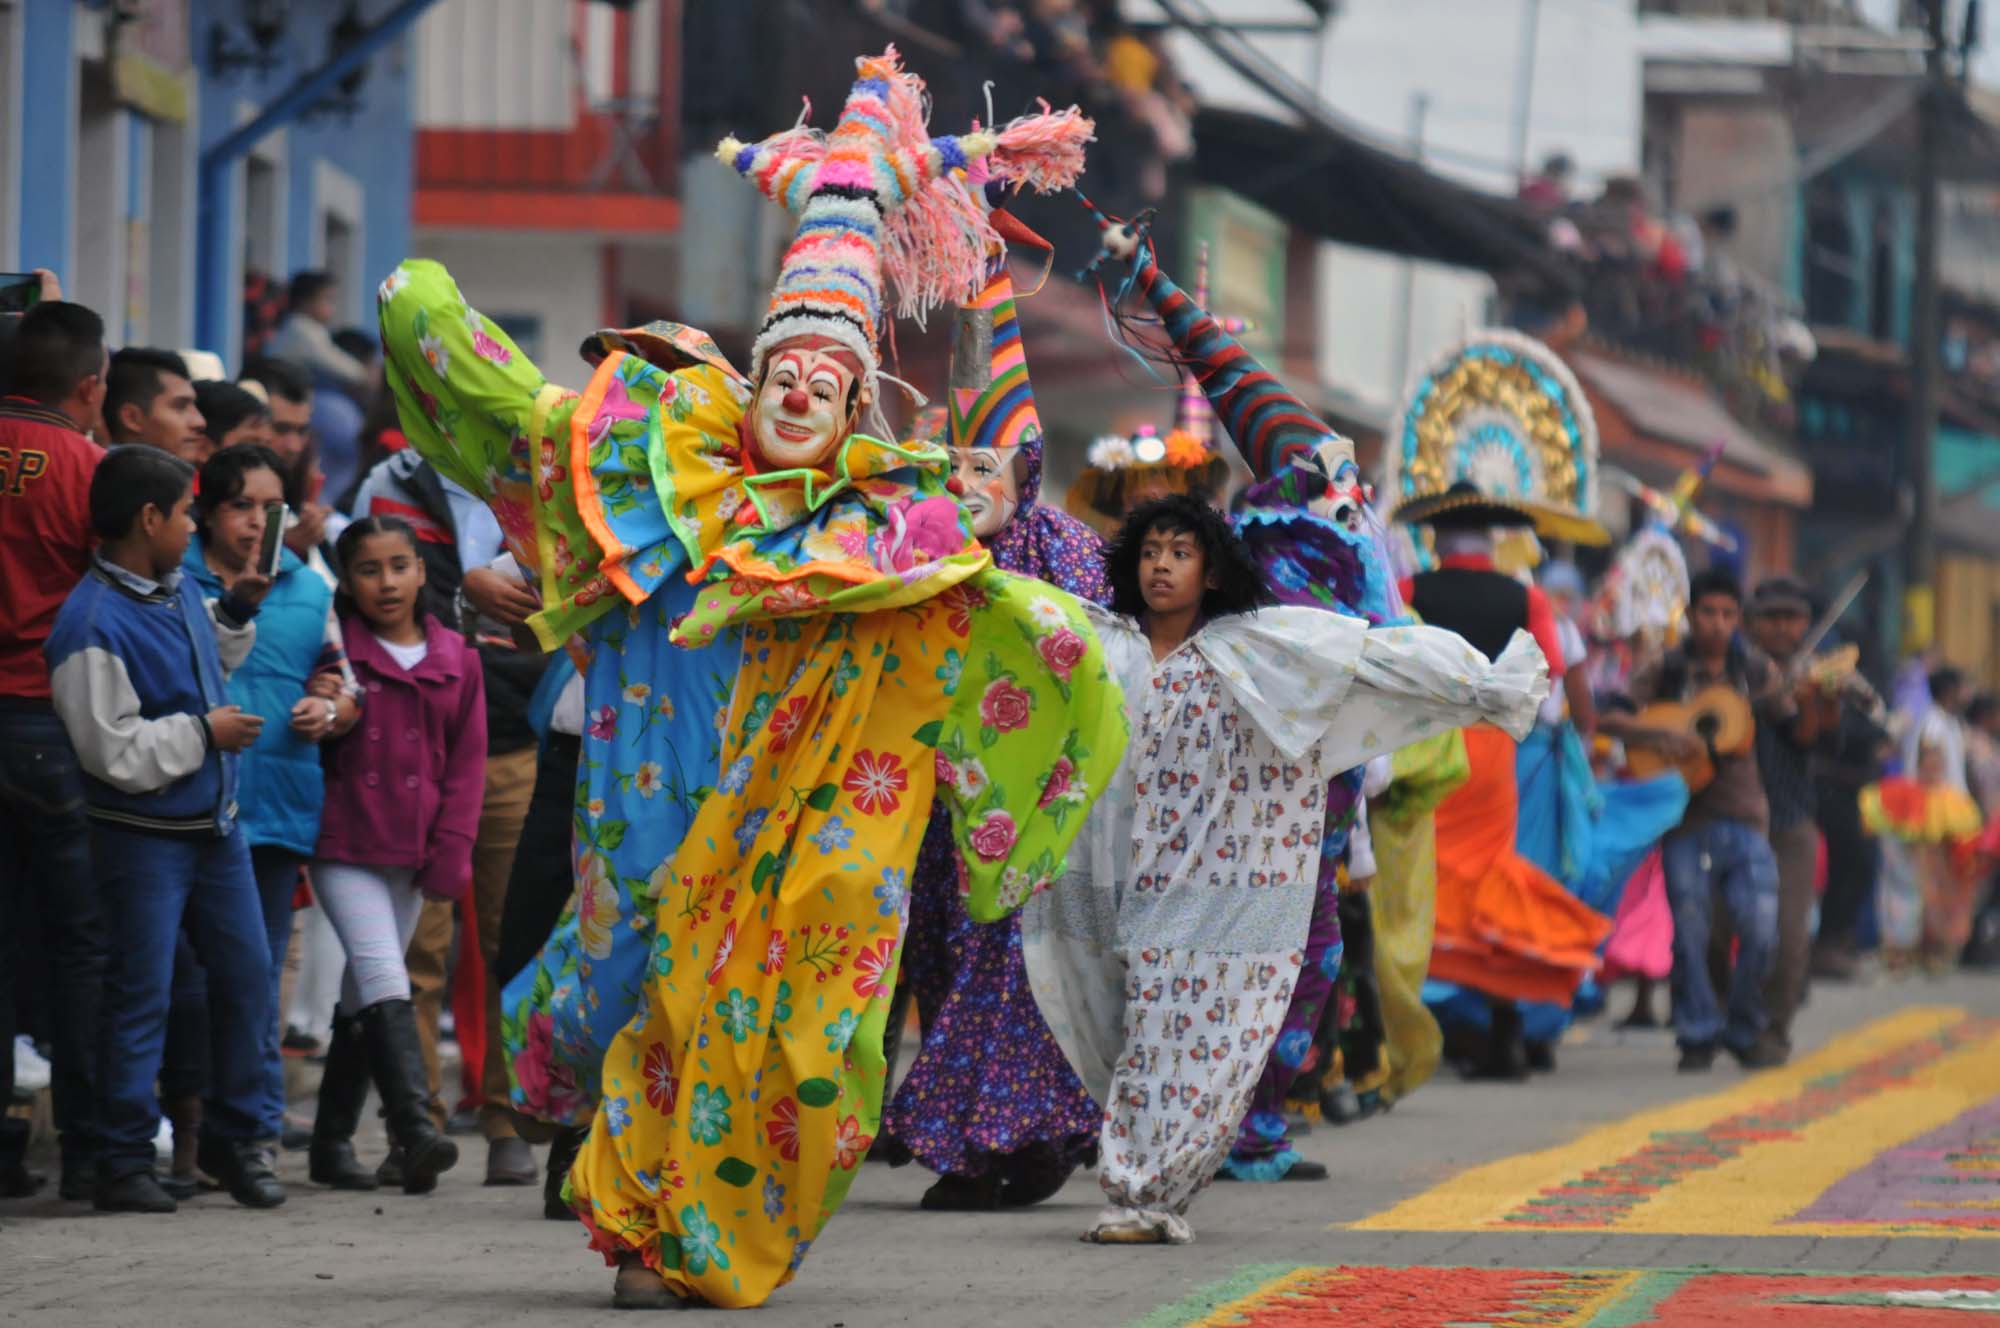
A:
(1239, 585)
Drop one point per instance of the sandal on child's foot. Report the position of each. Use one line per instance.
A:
(1132, 1226)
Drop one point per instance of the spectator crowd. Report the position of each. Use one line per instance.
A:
(264, 764)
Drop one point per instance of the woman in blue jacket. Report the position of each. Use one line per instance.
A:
(296, 678)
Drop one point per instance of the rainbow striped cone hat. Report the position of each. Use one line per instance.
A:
(885, 208)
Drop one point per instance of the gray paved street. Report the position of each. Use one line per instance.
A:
(475, 1256)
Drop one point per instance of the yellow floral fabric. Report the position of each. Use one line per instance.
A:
(879, 654)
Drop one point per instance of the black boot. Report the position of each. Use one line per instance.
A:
(1506, 1058)
(343, 1089)
(397, 1062)
(1033, 1174)
(562, 1156)
(244, 1168)
(16, 1181)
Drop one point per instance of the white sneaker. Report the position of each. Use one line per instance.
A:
(31, 1072)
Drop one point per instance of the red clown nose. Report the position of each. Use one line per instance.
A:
(796, 401)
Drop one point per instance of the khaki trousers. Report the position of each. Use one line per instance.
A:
(1797, 851)
(510, 782)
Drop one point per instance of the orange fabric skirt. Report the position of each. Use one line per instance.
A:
(1505, 927)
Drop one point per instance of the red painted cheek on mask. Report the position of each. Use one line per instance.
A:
(796, 401)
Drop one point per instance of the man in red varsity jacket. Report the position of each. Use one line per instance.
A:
(55, 394)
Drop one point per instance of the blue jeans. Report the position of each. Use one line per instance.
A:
(45, 880)
(1727, 863)
(277, 871)
(184, 1073)
(152, 886)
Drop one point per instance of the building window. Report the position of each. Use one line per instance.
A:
(1882, 275)
(1830, 257)
(337, 214)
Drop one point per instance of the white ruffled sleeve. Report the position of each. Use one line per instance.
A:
(1309, 678)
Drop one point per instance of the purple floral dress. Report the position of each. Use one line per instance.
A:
(990, 1080)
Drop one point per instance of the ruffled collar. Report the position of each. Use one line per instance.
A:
(783, 498)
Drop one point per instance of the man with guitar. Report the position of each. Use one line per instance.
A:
(1721, 851)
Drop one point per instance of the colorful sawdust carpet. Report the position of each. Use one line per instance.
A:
(1893, 1130)
(1279, 1297)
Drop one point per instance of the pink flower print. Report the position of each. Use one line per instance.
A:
(618, 407)
(1058, 782)
(853, 540)
(994, 836)
(1005, 706)
(946, 775)
(921, 532)
(604, 724)
(483, 345)
(548, 1087)
(1060, 650)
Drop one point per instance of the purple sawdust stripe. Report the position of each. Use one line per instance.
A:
(1604, 1195)
(1948, 1176)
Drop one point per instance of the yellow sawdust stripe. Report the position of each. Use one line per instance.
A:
(1753, 1194)
(1481, 1197)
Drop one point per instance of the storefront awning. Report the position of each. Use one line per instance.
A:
(1654, 420)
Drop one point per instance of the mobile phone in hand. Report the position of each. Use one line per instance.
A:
(19, 292)
(273, 547)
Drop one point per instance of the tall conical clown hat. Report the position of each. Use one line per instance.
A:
(1270, 426)
(1124, 469)
(882, 204)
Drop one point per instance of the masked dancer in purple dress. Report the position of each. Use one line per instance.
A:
(990, 1103)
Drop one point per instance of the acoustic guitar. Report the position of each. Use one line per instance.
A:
(1716, 717)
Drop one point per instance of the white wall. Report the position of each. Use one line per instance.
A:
(496, 64)
(1368, 64)
(1360, 291)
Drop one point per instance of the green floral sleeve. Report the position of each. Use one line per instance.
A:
(1035, 730)
(480, 411)
(1425, 774)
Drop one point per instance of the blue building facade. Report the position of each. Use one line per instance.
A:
(105, 119)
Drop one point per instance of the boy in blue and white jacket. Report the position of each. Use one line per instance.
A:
(136, 669)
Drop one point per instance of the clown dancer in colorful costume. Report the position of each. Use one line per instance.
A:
(991, 1104)
(1165, 961)
(1303, 522)
(874, 633)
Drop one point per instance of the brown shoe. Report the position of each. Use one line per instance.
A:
(510, 1161)
(638, 1287)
